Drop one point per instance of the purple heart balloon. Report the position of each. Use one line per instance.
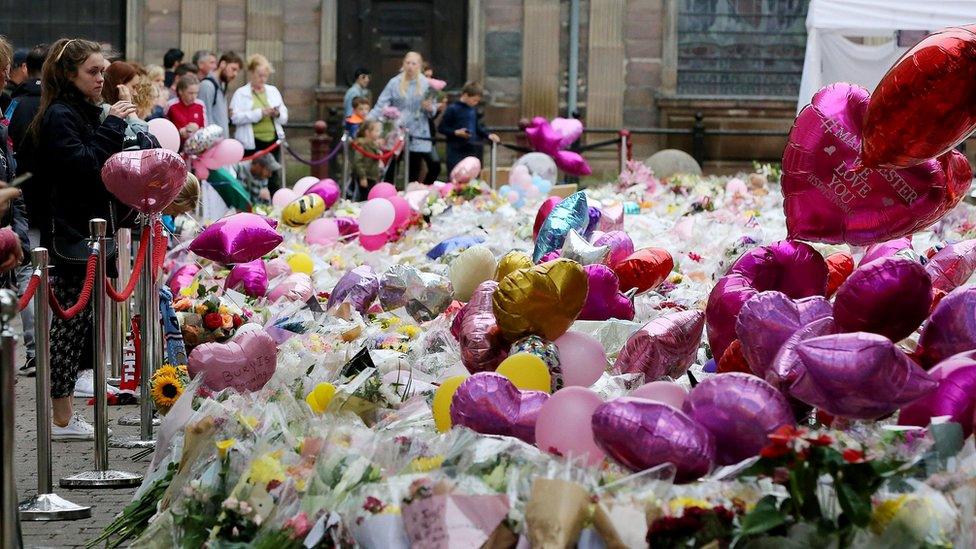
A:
(359, 286)
(482, 346)
(955, 396)
(603, 297)
(740, 411)
(665, 346)
(951, 329)
(641, 434)
(595, 214)
(490, 404)
(890, 296)
(858, 376)
(788, 266)
(768, 319)
(786, 366)
(885, 249)
(251, 275)
(621, 246)
(952, 266)
(348, 226)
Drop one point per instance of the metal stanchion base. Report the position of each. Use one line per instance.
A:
(113, 381)
(134, 421)
(102, 479)
(52, 507)
(130, 442)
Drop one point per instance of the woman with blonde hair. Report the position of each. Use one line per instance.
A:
(407, 92)
(258, 112)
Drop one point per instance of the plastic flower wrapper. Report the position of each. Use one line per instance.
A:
(439, 513)
(558, 505)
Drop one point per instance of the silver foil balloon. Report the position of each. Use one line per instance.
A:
(572, 213)
(424, 295)
(579, 250)
(665, 346)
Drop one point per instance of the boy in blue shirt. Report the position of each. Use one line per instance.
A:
(462, 126)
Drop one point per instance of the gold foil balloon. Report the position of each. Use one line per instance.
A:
(303, 211)
(543, 300)
(472, 267)
(511, 262)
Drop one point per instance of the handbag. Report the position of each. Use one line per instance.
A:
(69, 247)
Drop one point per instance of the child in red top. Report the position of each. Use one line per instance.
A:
(187, 114)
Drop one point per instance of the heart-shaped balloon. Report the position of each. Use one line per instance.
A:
(481, 344)
(467, 169)
(569, 130)
(146, 180)
(511, 262)
(543, 300)
(641, 434)
(827, 198)
(740, 411)
(787, 366)
(604, 300)
(245, 364)
(951, 329)
(890, 296)
(952, 266)
(665, 346)
(295, 287)
(644, 269)
(955, 396)
(885, 249)
(490, 404)
(469, 269)
(237, 238)
(571, 213)
(840, 265)
(424, 295)
(182, 277)
(858, 375)
(327, 189)
(922, 107)
(768, 319)
(359, 286)
(620, 244)
(788, 266)
(251, 275)
(544, 209)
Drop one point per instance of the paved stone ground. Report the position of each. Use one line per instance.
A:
(69, 458)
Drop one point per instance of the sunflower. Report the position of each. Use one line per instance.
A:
(166, 370)
(166, 390)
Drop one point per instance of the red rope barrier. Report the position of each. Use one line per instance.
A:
(386, 155)
(159, 255)
(262, 152)
(35, 281)
(86, 290)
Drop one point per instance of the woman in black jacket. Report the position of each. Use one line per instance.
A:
(71, 146)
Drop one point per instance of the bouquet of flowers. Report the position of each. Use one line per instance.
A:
(206, 318)
(390, 116)
(167, 385)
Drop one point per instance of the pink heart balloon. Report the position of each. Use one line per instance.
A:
(253, 276)
(466, 170)
(237, 238)
(951, 329)
(827, 198)
(952, 266)
(295, 287)
(482, 346)
(665, 346)
(245, 364)
(569, 130)
(621, 246)
(786, 366)
(490, 404)
(603, 297)
(890, 296)
(146, 180)
(768, 319)
(955, 396)
(327, 189)
(858, 376)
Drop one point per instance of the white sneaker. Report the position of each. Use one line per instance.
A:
(76, 429)
(85, 385)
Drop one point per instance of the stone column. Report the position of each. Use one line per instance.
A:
(198, 21)
(669, 54)
(133, 29)
(540, 58)
(476, 41)
(605, 92)
(328, 43)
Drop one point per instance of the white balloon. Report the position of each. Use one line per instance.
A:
(376, 216)
(539, 164)
(304, 184)
(470, 268)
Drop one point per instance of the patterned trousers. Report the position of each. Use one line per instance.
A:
(71, 340)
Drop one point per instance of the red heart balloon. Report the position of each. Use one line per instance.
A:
(644, 269)
(828, 198)
(840, 265)
(924, 106)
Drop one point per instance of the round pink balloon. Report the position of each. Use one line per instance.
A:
(145, 180)
(328, 190)
(283, 197)
(322, 231)
(166, 133)
(564, 425)
(402, 210)
(226, 152)
(373, 242)
(304, 184)
(376, 217)
(381, 190)
(466, 170)
(295, 287)
(582, 358)
(667, 392)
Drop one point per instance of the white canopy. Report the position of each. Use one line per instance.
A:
(830, 57)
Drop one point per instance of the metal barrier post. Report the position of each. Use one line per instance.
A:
(493, 166)
(119, 312)
(101, 476)
(46, 505)
(346, 187)
(624, 144)
(698, 139)
(9, 521)
(406, 159)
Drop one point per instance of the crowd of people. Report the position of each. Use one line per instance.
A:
(78, 103)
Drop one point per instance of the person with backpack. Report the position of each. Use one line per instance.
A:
(213, 90)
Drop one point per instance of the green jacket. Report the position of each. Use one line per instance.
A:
(362, 165)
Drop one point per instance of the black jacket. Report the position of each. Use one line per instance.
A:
(460, 115)
(28, 97)
(71, 151)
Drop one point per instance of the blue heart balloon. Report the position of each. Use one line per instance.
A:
(572, 213)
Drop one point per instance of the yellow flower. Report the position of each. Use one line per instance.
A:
(200, 309)
(223, 310)
(885, 512)
(426, 464)
(223, 446)
(190, 290)
(166, 390)
(165, 370)
(266, 469)
(250, 421)
(390, 510)
(680, 503)
(409, 330)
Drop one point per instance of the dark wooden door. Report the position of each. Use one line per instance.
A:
(377, 33)
(29, 22)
